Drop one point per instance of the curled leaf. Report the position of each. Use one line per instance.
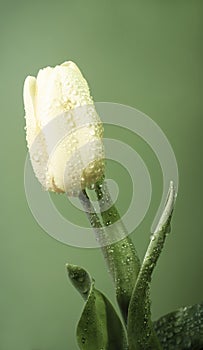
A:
(99, 326)
(80, 279)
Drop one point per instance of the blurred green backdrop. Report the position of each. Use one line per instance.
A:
(146, 54)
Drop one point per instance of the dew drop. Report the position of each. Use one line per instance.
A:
(178, 340)
(128, 259)
(35, 157)
(81, 279)
(92, 132)
(83, 339)
(170, 334)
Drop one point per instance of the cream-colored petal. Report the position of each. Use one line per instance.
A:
(49, 103)
(70, 65)
(29, 94)
(74, 88)
(65, 89)
(29, 91)
(35, 139)
(43, 79)
(73, 159)
(75, 68)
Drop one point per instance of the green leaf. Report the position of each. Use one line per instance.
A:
(181, 329)
(141, 334)
(99, 326)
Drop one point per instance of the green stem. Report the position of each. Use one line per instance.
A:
(121, 255)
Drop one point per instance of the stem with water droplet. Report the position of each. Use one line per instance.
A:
(121, 255)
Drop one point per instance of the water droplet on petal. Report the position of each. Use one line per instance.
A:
(35, 157)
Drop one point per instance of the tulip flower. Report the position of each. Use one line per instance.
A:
(63, 130)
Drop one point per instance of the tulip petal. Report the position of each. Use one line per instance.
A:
(74, 88)
(48, 96)
(77, 155)
(29, 92)
(34, 136)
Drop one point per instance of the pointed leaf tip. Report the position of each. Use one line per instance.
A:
(80, 279)
(168, 208)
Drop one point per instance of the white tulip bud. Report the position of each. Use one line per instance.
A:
(63, 130)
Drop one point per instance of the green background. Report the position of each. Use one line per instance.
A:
(146, 54)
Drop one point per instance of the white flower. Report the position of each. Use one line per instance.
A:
(63, 130)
